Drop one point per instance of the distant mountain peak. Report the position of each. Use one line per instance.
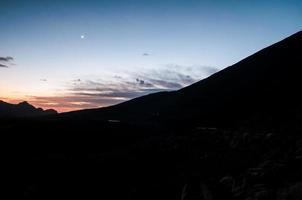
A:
(23, 103)
(22, 109)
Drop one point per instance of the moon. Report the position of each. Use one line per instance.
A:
(82, 36)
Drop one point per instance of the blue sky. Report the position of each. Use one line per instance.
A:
(129, 47)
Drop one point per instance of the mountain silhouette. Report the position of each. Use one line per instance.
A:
(262, 88)
(234, 135)
(23, 109)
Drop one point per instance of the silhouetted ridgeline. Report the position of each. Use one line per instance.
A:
(235, 135)
(263, 89)
(22, 109)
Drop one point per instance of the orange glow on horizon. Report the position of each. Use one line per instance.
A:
(58, 106)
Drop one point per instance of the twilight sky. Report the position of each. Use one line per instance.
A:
(72, 54)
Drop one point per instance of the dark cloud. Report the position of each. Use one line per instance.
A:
(3, 66)
(143, 83)
(43, 79)
(5, 60)
(146, 54)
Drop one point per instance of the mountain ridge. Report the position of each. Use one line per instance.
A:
(22, 109)
(258, 86)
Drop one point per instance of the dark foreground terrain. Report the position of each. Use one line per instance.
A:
(117, 161)
(234, 135)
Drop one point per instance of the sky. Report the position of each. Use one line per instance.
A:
(77, 54)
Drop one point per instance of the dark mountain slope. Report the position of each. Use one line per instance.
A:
(22, 109)
(263, 87)
(93, 159)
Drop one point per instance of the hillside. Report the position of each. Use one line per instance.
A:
(262, 88)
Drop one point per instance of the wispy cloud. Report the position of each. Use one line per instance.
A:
(3, 66)
(84, 93)
(72, 102)
(4, 61)
(210, 70)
